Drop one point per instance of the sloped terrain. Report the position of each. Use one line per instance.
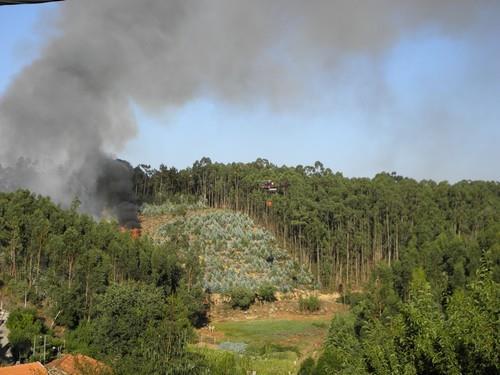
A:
(235, 252)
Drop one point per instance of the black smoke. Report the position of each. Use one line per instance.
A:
(110, 194)
(115, 188)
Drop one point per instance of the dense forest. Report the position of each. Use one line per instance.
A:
(418, 262)
(419, 330)
(116, 297)
(341, 228)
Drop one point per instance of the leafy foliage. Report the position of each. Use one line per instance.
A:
(307, 367)
(242, 298)
(123, 315)
(309, 303)
(419, 335)
(342, 353)
(430, 253)
(266, 293)
(24, 327)
(115, 295)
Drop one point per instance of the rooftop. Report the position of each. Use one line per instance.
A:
(35, 368)
(77, 365)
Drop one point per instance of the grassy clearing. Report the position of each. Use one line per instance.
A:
(274, 347)
(227, 363)
(267, 336)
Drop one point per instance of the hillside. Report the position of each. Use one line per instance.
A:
(233, 251)
(343, 227)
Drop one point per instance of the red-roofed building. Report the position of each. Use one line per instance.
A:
(77, 365)
(35, 368)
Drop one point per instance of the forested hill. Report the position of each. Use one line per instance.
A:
(342, 227)
(430, 253)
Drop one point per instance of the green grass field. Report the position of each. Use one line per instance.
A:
(227, 363)
(275, 347)
(280, 335)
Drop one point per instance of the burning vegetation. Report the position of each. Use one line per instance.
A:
(135, 233)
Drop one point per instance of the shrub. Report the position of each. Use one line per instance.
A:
(351, 298)
(310, 304)
(242, 298)
(307, 367)
(23, 325)
(266, 293)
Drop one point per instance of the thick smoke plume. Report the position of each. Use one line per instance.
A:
(71, 108)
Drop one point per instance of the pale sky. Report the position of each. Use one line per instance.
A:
(427, 107)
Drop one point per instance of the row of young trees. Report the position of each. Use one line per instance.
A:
(113, 294)
(340, 227)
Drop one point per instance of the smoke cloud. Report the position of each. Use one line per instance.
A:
(71, 108)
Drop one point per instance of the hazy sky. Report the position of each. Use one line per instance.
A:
(426, 106)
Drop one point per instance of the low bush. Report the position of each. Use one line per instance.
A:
(351, 298)
(307, 367)
(242, 298)
(310, 304)
(266, 292)
(23, 325)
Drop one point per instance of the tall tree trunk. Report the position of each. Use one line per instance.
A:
(347, 261)
(318, 267)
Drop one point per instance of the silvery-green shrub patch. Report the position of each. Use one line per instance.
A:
(237, 254)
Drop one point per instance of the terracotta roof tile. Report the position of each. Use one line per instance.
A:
(35, 368)
(79, 365)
